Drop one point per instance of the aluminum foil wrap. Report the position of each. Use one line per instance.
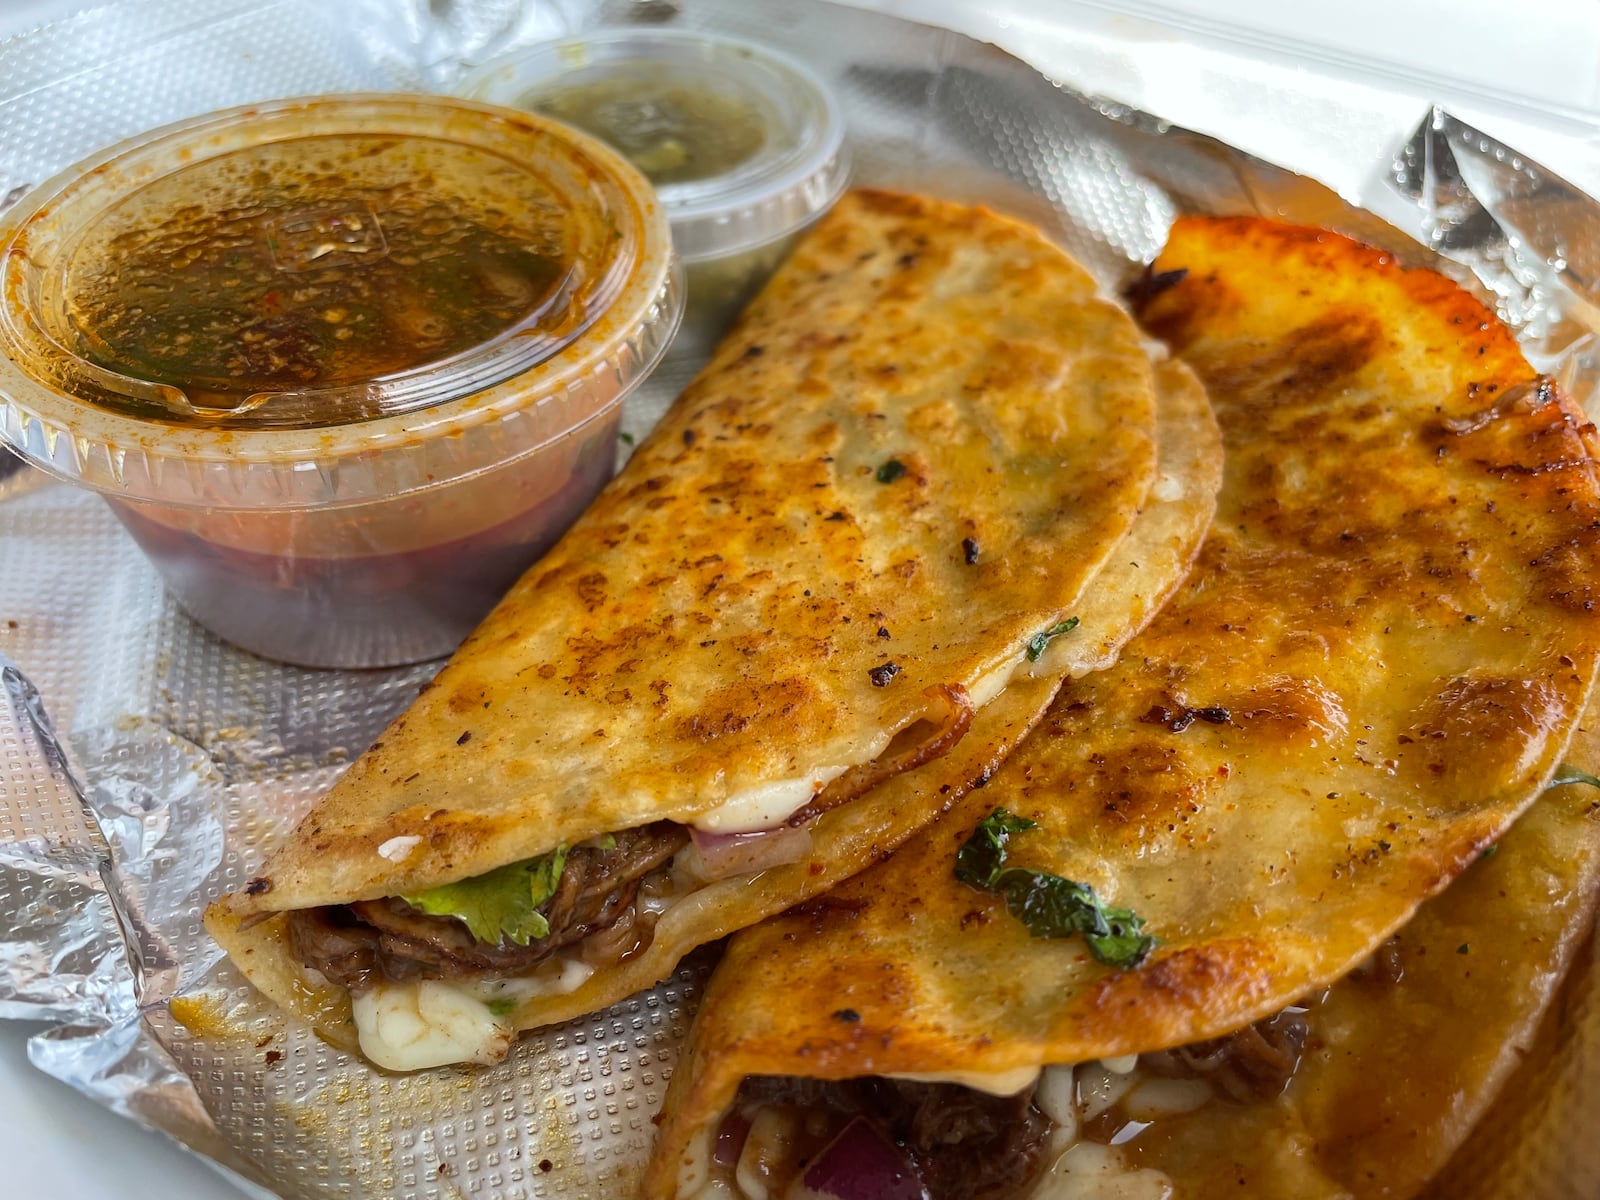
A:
(146, 766)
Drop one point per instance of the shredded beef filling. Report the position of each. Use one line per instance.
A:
(969, 1145)
(596, 902)
(1254, 1064)
(965, 1144)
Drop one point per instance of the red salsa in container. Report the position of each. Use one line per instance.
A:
(343, 367)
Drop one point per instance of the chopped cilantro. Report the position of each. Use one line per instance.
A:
(500, 1007)
(1567, 773)
(1047, 904)
(1039, 641)
(626, 437)
(501, 904)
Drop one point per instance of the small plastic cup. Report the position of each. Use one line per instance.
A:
(343, 366)
(744, 144)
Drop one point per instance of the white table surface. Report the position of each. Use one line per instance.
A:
(1388, 58)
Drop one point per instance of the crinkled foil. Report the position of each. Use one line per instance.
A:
(175, 760)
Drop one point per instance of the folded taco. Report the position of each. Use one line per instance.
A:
(886, 495)
(1373, 670)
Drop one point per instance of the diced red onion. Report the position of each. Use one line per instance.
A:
(731, 1135)
(725, 854)
(859, 1164)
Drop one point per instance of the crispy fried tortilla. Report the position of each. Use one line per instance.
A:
(1401, 1061)
(1372, 670)
(902, 470)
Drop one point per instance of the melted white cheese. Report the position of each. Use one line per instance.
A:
(996, 1083)
(1157, 1097)
(1168, 488)
(398, 849)
(428, 1023)
(1100, 1088)
(431, 1022)
(695, 1179)
(1057, 1098)
(992, 684)
(766, 805)
(769, 804)
(556, 976)
(767, 1144)
(1090, 1171)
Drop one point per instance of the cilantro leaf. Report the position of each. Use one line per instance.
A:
(980, 858)
(1567, 773)
(503, 903)
(501, 1006)
(1037, 644)
(1047, 904)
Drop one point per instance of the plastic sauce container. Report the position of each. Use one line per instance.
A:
(744, 145)
(344, 367)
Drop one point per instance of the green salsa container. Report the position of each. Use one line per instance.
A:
(744, 144)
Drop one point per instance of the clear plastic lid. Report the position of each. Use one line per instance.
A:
(326, 301)
(743, 143)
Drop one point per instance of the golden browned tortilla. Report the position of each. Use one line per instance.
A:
(1372, 670)
(909, 460)
(1402, 1062)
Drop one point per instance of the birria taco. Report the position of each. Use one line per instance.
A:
(886, 496)
(1095, 976)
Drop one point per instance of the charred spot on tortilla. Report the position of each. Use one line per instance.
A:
(1179, 717)
(883, 673)
(1150, 283)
